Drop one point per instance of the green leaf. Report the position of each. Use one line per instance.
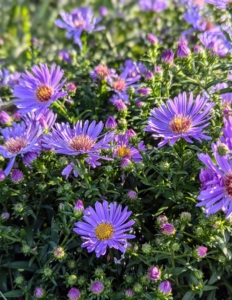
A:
(21, 265)
(189, 296)
(177, 271)
(12, 294)
(209, 288)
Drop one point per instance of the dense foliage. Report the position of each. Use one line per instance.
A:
(115, 149)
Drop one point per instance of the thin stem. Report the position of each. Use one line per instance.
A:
(173, 266)
(2, 296)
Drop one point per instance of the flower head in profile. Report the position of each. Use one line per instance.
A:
(201, 251)
(81, 19)
(81, 140)
(97, 287)
(180, 118)
(220, 4)
(154, 5)
(20, 139)
(106, 226)
(37, 90)
(74, 294)
(124, 149)
(217, 192)
(165, 287)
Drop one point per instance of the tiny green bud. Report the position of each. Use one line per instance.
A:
(18, 207)
(129, 279)
(185, 217)
(164, 166)
(72, 279)
(26, 249)
(145, 280)
(147, 248)
(99, 272)
(179, 195)
(47, 272)
(198, 274)
(59, 253)
(72, 264)
(175, 247)
(109, 169)
(138, 288)
(67, 186)
(81, 280)
(199, 231)
(222, 149)
(19, 280)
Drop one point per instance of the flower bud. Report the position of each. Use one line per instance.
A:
(39, 293)
(72, 279)
(144, 91)
(19, 280)
(120, 105)
(71, 88)
(129, 294)
(168, 229)
(48, 272)
(198, 274)
(81, 280)
(97, 287)
(185, 217)
(132, 195)
(138, 288)
(72, 264)
(129, 279)
(5, 216)
(161, 219)
(16, 175)
(2, 175)
(152, 39)
(18, 207)
(99, 272)
(26, 249)
(17, 116)
(74, 294)
(222, 149)
(165, 287)
(111, 123)
(130, 133)
(5, 119)
(175, 247)
(154, 273)
(59, 253)
(144, 280)
(146, 248)
(202, 251)
(199, 231)
(78, 208)
(167, 57)
(164, 166)
(122, 124)
(148, 75)
(103, 11)
(182, 49)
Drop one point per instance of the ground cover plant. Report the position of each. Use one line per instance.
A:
(115, 149)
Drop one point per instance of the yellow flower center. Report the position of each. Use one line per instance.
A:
(44, 93)
(82, 142)
(123, 151)
(180, 124)
(104, 231)
(15, 145)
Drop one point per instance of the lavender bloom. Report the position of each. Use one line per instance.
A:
(82, 139)
(168, 229)
(120, 105)
(152, 39)
(101, 72)
(207, 175)
(154, 5)
(37, 91)
(154, 273)
(165, 287)
(217, 194)
(30, 156)
(97, 287)
(103, 11)
(167, 57)
(202, 251)
(65, 56)
(216, 42)
(17, 116)
(4, 118)
(45, 119)
(180, 118)
(193, 16)
(197, 49)
(74, 294)
(182, 49)
(80, 19)
(129, 293)
(221, 4)
(111, 123)
(105, 226)
(5, 215)
(2, 175)
(19, 140)
(132, 195)
(39, 293)
(79, 206)
(123, 149)
(16, 175)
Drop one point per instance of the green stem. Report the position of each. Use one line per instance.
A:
(10, 238)
(173, 266)
(2, 296)
(61, 109)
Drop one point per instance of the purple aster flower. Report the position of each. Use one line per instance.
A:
(2, 175)
(111, 123)
(168, 229)
(161, 219)
(126, 162)
(17, 116)
(120, 83)
(180, 118)
(19, 140)
(207, 175)
(103, 11)
(165, 287)
(158, 70)
(131, 133)
(154, 273)
(221, 4)
(197, 49)
(148, 75)
(202, 251)
(132, 195)
(39, 292)
(216, 41)
(144, 91)
(45, 119)
(101, 72)
(129, 293)
(154, 5)
(4, 118)
(74, 294)
(71, 87)
(167, 57)
(227, 130)
(218, 192)
(97, 287)
(80, 19)
(133, 69)
(5, 215)
(4, 77)
(152, 39)
(105, 226)
(65, 56)
(123, 148)
(182, 49)
(83, 139)
(16, 175)
(37, 90)
(193, 16)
